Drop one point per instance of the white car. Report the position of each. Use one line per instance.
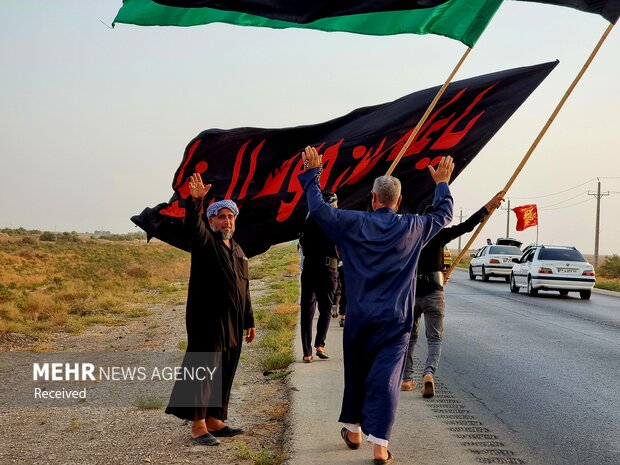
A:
(553, 268)
(493, 260)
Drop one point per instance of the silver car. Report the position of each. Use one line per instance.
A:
(553, 268)
(493, 260)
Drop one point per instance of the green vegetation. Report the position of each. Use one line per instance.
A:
(609, 284)
(259, 457)
(60, 282)
(608, 274)
(463, 262)
(149, 403)
(275, 311)
(74, 425)
(610, 267)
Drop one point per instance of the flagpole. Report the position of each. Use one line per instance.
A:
(533, 147)
(427, 113)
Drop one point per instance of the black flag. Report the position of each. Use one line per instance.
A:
(258, 167)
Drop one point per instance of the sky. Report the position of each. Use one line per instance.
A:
(94, 120)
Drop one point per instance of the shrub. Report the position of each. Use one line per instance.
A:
(135, 271)
(47, 236)
(610, 267)
(41, 306)
(149, 403)
(69, 237)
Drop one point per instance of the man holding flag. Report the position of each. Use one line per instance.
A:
(380, 250)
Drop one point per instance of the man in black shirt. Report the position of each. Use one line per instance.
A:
(429, 298)
(319, 281)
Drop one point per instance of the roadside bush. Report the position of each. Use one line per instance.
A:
(47, 236)
(69, 237)
(139, 272)
(40, 306)
(610, 267)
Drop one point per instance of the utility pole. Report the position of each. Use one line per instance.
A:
(598, 196)
(508, 219)
(460, 221)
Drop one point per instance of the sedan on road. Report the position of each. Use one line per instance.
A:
(493, 260)
(553, 268)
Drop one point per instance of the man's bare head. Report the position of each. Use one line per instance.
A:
(386, 193)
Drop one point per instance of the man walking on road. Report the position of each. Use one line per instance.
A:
(380, 251)
(319, 282)
(429, 297)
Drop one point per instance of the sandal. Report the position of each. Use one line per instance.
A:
(344, 433)
(387, 461)
(322, 355)
(308, 359)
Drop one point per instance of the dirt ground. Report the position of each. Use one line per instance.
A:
(130, 435)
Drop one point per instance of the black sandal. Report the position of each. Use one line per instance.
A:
(387, 461)
(322, 355)
(344, 433)
(206, 440)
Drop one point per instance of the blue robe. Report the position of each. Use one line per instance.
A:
(380, 252)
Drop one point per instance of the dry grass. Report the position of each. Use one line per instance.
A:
(68, 285)
(609, 284)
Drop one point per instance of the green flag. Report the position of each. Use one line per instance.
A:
(462, 20)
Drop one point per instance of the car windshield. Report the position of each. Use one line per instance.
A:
(504, 250)
(565, 255)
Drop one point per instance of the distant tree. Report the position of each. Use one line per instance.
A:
(19, 231)
(610, 267)
(69, 237)
(47, 236)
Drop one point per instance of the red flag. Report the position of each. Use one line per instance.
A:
(527, 215)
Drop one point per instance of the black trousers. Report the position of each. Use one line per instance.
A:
(318, 288)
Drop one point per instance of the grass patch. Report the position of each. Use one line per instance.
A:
(279, 374)
(275, 311)
(261, 456)
(74, 425)
(71, 282)
(609, 284)
(464, 262)
(277, 360)
(149, 403)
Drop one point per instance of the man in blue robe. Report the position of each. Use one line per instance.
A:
(380, 252)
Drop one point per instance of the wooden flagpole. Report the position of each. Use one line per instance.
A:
(534, 145)
(427, 113)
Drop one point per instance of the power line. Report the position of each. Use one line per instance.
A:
(555, 193)
(564, 201)
(568, 206)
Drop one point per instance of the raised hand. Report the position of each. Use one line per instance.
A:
(443, 171)
(196, 188)
(495, 202)
(311, 158)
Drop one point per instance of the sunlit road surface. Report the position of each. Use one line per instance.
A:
(542, 371)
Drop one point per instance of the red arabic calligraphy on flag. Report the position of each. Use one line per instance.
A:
(258, 167)
(527, 215)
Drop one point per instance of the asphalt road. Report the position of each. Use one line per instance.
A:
(542, 371)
